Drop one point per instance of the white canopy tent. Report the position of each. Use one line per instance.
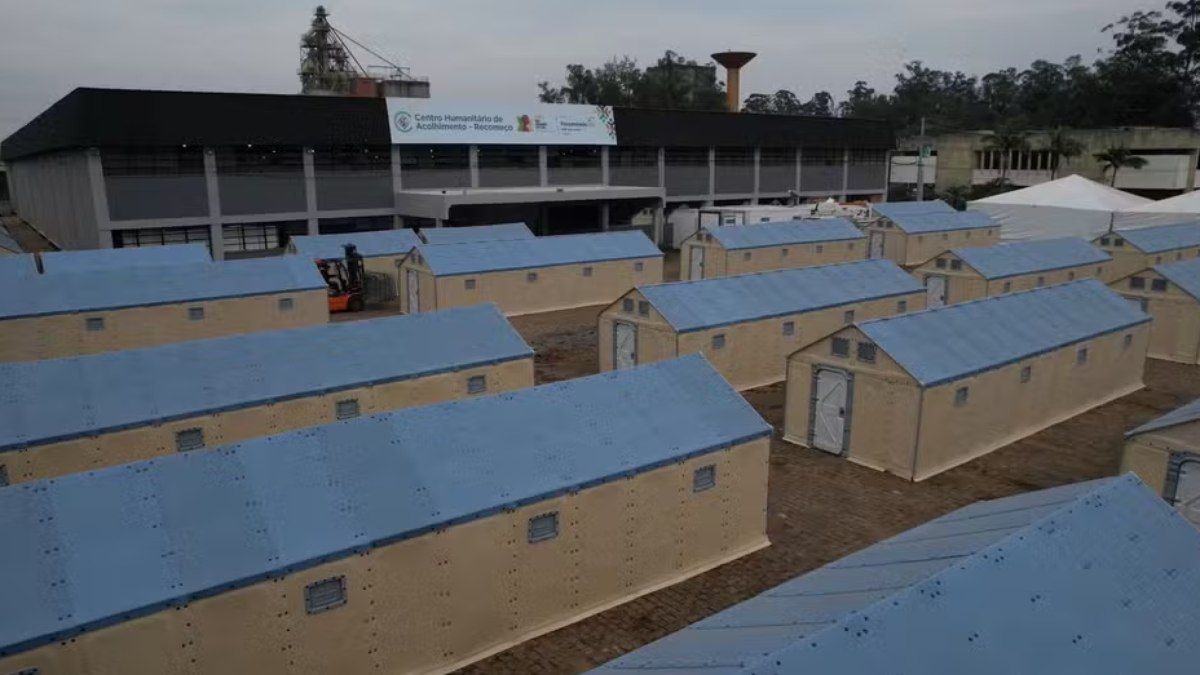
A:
(1068, 207)
(1184, 208)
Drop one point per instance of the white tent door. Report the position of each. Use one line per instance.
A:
(696, 269)
(875, 246)
(831, 392)
(1187, 492)
(935, 291)
(624, 345)
(414, 292)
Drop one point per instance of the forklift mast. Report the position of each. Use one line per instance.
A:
(355, 270)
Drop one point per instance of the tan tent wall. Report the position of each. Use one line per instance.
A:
(1000, 409)
(158, 439)
(62, 335)
(910, 250)
(1175, 331)
(1128, 259)
(557, 287)
(1149, 454)
(967, 284)
(719, 262)
(445, 599)
(755, 352)
(883, 406)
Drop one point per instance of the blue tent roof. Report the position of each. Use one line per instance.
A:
(1096, 578)
(47, 294)
(893, 210)
(7, 242)
(1028, 257)
(785, 232)
(1163, 238)
(695, 305)
(952, 342)
(515, 254)
(19, 266)
(463, 235)
(1185, 275)
(57, 399)
(88, 549)
(59, 262)
(924, 223)
(1181, 415)
(370, 244)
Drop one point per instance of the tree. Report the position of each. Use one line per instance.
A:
(1007, 141)
(784, 102)
(1117, 159)
(672, 82)
(1061, 145)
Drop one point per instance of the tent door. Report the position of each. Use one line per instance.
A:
(696, 269)
(875, 246)
(624, 345)
(830, 412)
(413, 282)
(1187, 491)
(935, 291)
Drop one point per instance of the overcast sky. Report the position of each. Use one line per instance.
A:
(500, 49)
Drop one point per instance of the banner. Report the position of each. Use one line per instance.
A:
(425, 121)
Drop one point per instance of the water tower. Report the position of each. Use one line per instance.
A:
(733, 62)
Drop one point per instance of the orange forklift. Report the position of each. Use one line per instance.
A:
(347, 281)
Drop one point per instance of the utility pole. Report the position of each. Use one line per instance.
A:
(921, 164)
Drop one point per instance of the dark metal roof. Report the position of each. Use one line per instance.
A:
(129, 117)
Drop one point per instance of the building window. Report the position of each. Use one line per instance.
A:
(1158, 260)
(1081, 356)
(1026, 374)
(848, 316)
(531, 277)
(783, 253)
(704, 478)
(866, 352)
(3, 476)
(789, 328)
(627, 305)
(1118, 242)
(1179, 256)
(94, 324)
(154, 236)
(195, 313)
(1070, 276)
(968, 234)
(286, 304)
(1105, 241)
(469, 284)
(476, 384)
(940, 263)
(643, 308)
(189, 439)
(956, 265)
(1007, 286)
(543, 527)
(587, 271)
(718, 341)
(841, 347)
(1127, 342)
(850, 246)
(746, 255)
(820, 248)
(1137, 283)
(324, 595)
(901, 306)
(639, 266)
(945, 236)
(1159, 285)
(346, 409)
(1041, 281)
(960, 396)
(1100, 271)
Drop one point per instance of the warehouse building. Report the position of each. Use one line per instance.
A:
(911, 233)
(1170, 293)
(69, 415)
(64, 262)
(1165, 453)
(473, 233)
(378, 543)
(747, 325)
(965, 274)
(916, 395)
(1136, 250)
(1043, 582)
(728, 250)
(50, 316)
(245, 172)
(383, 251)
(523, 276)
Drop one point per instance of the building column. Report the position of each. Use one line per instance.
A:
(604, 216)
(397, 185)
(659, 218)
(887, 175)
(95, 169)
(216, 232)
(604, 165)
(712, 176)
(473, 164)
(757, 173)
(1193, 167)
(543, 171)
(310, 190)
(662, 169)
(799, 167)
(845, 173)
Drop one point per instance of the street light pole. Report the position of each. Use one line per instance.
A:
(921, 164)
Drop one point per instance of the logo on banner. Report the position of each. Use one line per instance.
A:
(524, 123)
(404, 121)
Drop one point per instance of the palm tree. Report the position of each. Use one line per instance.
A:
(1061, 146)
(1117, 159)
(1007, 141)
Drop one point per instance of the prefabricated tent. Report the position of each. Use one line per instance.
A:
(1068, 207)
(7, 243)
(466, 235)
(71, 262)
(1095, 578)
(1165, 452)
(1178, 209)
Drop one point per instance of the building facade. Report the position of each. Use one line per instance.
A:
(244, 172)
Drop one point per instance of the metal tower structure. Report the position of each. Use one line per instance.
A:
(329, 66)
